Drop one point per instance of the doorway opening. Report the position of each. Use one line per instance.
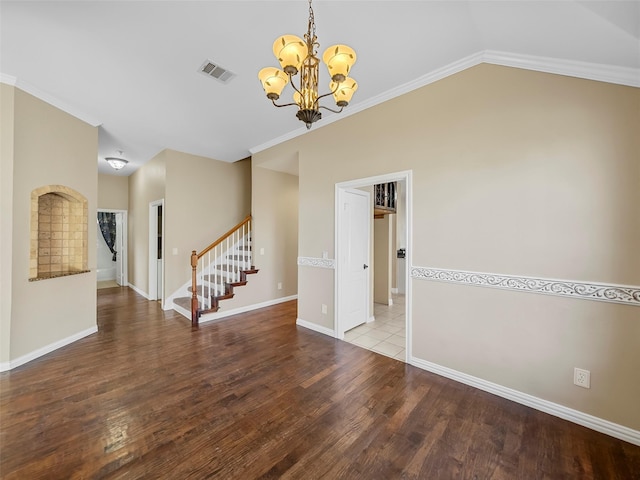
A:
(111, 248)
(401, 311)
(156, 250)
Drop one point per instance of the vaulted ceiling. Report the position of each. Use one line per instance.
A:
(132, 67)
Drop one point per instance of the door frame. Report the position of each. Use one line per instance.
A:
(406, 177)
(153, 249)
(124, 257)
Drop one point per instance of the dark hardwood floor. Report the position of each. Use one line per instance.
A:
(254, 396)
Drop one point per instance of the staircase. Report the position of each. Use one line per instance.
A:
(384, 199)
(217, 271)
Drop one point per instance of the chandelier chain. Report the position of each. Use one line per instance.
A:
(312, 22)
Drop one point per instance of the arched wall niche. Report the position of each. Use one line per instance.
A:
(58, 233)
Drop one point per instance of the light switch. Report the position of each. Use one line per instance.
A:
(174, 250)
(262, 251)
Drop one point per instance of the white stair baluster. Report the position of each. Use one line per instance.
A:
(228, 265)
(209, 278)
(216, 267)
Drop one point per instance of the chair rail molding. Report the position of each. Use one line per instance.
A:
(317, 262)
(624, 294)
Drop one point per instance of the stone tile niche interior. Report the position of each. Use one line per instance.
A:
(58, 233)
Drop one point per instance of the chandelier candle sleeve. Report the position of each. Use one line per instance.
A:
(298, 57)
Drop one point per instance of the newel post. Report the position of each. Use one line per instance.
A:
(194, 288)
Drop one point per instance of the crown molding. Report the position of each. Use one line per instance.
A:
(7, 79)
(589, 71)
(50, 99)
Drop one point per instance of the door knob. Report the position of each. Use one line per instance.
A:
(365, 266)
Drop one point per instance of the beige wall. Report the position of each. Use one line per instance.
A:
(113, 192)
(146, 185)
(50, 148)
(204, 199)
(275, 216)
(393, 218)
(514, 172)
(6, 218)
(382, 259)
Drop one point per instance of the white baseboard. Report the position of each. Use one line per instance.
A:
(372, 318)
(138, 291)
(594, 423)
(316, 328)
(210, 317)
(46, 349)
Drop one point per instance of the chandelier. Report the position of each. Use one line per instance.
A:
(299, 56)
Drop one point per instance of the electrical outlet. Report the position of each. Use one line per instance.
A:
(582, 378)
(279, 285)
(324, 309)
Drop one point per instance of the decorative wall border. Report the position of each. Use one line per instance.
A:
(317, 262)
(624, 294)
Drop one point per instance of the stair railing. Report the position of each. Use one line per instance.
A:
(215, 268)
(385, 196)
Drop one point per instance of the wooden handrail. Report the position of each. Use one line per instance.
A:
(223, 237)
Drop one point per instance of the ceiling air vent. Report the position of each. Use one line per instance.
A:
(216, 71)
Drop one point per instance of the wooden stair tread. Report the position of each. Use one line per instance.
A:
(184, 302)
(233, 268)
(207, 290)
(244, 258)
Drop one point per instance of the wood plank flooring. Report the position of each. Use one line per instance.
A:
(255, 397)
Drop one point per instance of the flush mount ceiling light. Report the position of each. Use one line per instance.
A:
(118, 162)
(299, 56)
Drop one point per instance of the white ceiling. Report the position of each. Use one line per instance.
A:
(132, 66)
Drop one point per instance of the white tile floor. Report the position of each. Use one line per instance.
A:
(386, 334)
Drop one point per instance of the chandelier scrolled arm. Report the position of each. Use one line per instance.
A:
(331, 109)
(297, 56)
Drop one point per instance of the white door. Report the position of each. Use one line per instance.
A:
(353, 262)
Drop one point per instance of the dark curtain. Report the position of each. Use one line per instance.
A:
(107, 222)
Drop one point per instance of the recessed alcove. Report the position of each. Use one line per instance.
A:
(58, 233)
